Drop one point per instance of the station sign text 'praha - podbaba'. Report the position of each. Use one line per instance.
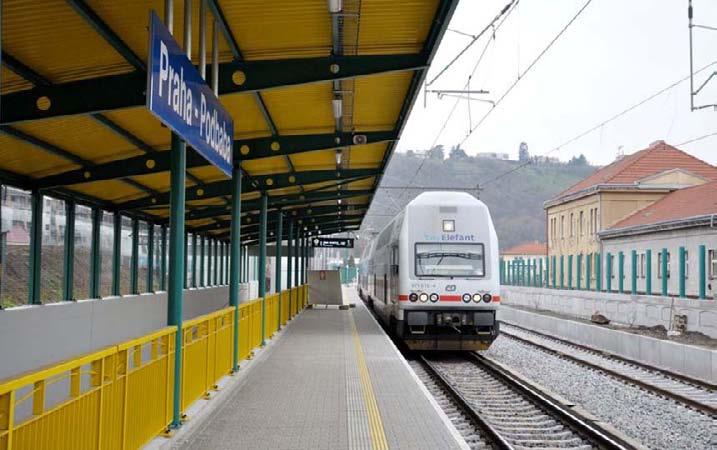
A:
(182, 100)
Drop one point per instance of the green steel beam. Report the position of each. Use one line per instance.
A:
(702, 259)
(35, 272)
(682, 271)
(663, 269)
(262, 265)
(134, 260)
(279, 238)
(116, 254)
(150, 257)
(202, 262)
(163, 262)
(297, 251)
(126, 90)
(235, 260)
(107, 33)
(299, 200)
(598, 272)
(633, 272)
(588, 270)
(69, 252)
(194, 260)
(265, 182)
(176, 266)
(648, 272)
(95, 256)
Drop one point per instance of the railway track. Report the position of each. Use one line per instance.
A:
(690, 392)
(505, 411)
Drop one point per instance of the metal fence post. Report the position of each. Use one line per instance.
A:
(663, 269)
(702, 258)
(598, 272)
(682, 271)
(96, 261)
(608, 272)
(562, 271)
(235, 259)
(648, 272)
(194, 260)
(134, 264)
(150, 257)
(35, 271)
(633, 272)
(570, 271)
(116, 253)
(588, 270)
(621, 272)
(69, 251)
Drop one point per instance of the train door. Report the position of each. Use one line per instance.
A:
(393, 296)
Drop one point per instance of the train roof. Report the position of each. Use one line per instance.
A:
(453, 198)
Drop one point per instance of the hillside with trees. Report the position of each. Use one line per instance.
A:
(515, 198)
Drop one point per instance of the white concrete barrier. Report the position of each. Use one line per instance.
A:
(624, 309)
(696, 362)
(39, 335)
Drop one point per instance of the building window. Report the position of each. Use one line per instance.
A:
(572, 225)
(713, 264)
(659, 265)
(582, 229)
(562, 227)
(642, 265)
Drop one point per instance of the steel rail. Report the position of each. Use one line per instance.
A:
(640, 383)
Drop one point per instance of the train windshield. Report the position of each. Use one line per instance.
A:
(450, 260)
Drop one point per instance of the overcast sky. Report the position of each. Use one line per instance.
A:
(615, 54)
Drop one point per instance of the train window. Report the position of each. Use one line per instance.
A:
(450, 260)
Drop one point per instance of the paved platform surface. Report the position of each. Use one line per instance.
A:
(333, 380)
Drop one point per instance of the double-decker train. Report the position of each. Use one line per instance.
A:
(432, 274)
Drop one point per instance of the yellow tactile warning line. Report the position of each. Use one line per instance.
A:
(378, 435)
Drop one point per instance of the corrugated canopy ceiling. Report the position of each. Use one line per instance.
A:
(75, 125)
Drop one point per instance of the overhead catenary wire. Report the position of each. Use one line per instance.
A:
(528, 69)
(607, 121)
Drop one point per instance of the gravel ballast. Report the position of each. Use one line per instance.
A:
(656, 422)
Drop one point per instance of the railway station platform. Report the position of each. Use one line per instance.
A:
(331, 380)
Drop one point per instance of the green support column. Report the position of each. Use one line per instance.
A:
(35, 248)
(608, 272)
(222, 281)
(304, 259)
(540, 261)
(163, 262)
(210, 262)
(633, 272)
(289, 255)
(297, 250)
(262, 264)
(588, 270)
(682, 272)
(202, 262)
(598, 272)
(554, 271)
(570, 271)
(215, 243)
(95, 260)
(177, 273)
(116, 253)
(134, 262)
(702, 262)
(194, 260)
(185, 275)
(277, 288)
(648, 272)
(502, 280)
(528, 279)
(69, 255)
(580, 272)
(227, 258)
(621, 272)
(663, 269)
(562, 271)
(235, 258)
(535, 272)
(150, 257)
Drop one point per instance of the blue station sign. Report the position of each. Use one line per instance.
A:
(179, 97)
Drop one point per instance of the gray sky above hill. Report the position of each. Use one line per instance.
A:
(615, 54)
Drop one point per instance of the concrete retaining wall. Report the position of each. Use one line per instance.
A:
(693, 361)
(623, 309)
(40, 335)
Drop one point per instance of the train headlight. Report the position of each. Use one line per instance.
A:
(423, 297)
(434, 297)
(487, 298)
(466, 298)
(413, 297)
(476, 297)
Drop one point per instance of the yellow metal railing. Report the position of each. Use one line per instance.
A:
(120, 397)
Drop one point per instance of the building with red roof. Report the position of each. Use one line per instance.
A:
(576, 216)
(682, 221)
(526, 250)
